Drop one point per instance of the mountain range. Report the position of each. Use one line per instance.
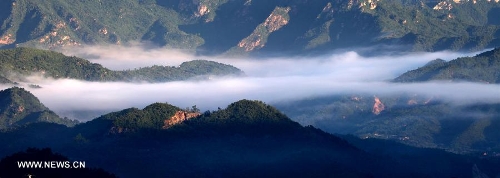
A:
(246, 139)
(251, 138)
(18, 63)
(415, 119)
(254, 26)
(349, 134)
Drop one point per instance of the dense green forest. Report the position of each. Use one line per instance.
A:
(484, 68)
(28, 61)
(240, 26)
(151, 117)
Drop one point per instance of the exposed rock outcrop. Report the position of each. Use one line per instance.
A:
(371, 4)
(278, 18)
(378, 106)
(7, 39)
(202, 10)
(448, 5)
(179, 116)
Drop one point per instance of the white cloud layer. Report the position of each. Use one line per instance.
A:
(117, 57)
(269, 80)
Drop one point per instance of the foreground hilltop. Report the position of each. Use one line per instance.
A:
(245, 26)
(246, 139)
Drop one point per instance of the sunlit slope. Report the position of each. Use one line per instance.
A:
(256, 27)
(71, 23)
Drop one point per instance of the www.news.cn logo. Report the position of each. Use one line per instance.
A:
(51, 164)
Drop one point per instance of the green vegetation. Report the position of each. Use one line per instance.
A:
(217, 26)
(248, 112)
(415, 120)
(484, 67)
(244, 113)
(28, 61)
(19, 107)
(187, 70)
(246, 138)
(151, 117)
(410, 119)
(463, 27)
(474, 134)
(69, 23)
(242, 117)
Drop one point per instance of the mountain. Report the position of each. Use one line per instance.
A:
(28, 61)
(414, 120)
(154, 116)
(417, 120)
(255, 27)
(484, 67)
(246, 139)
(19, 107)
(195, 69)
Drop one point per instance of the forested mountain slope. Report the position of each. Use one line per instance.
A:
(28, 61)
(246, 139)
(253, 26)
(19, 107)
(484, 68)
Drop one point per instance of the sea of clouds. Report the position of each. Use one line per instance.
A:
(277, 79)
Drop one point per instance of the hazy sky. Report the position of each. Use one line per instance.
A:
(269, 80)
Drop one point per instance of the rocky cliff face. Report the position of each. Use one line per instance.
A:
(278, 18)
(448, 5)
(378, 106)
(178, 117)
(6, 39)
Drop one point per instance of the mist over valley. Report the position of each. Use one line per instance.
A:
(267, 79)
(250, 88)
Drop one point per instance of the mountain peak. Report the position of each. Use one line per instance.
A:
(483, 68)
(154, 116)
(435, 62)
(18, 107)
(254, 111)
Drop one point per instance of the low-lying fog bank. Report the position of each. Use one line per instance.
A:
(270, 80)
